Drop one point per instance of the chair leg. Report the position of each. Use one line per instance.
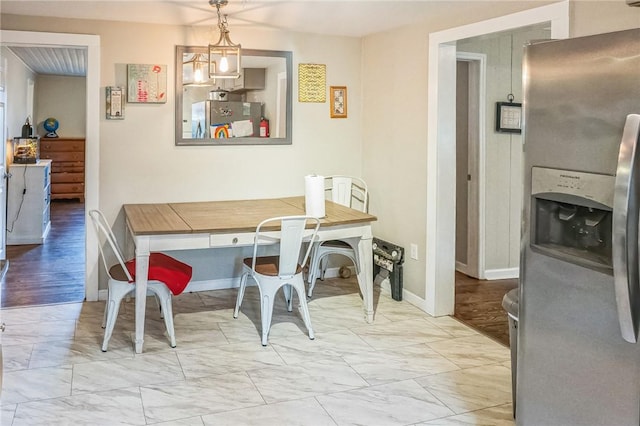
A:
(324, 263)
(241, 289)
(288, 296)
(303, 307)
(319, 262)
(159, 305)
(266, 310)
(106, 311)
(313, 263)
(164, 299)
(116, 294)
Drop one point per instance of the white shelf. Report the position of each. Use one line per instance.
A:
(28, 198)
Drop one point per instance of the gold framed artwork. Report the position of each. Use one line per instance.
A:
(312, 83)
(338, 101)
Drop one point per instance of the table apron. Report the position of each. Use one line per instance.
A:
(166, 242)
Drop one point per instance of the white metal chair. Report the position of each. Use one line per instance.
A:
(347, 191)
(121, 282)
(272, 272)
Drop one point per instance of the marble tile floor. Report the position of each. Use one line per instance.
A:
(406, 368)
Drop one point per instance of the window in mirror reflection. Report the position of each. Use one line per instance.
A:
(252, 109)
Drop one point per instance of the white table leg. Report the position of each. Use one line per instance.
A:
(365, 276)
(142, 272)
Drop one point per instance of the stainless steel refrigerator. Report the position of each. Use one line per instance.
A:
(243, 118)
(579, 304)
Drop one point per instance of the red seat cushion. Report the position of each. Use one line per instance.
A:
(175, 274)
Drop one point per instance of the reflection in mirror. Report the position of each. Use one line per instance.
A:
(254, 109)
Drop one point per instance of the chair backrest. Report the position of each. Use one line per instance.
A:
(348, 191)
(293, 231)
(104, 232)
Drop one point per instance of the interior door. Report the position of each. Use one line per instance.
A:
(3, 197)
(3, 187)
(468, 174)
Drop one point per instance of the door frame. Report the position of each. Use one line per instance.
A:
(440, 223)
(92, 149)
(476, 165)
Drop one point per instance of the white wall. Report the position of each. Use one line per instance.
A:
(62, 98)
(17, 75)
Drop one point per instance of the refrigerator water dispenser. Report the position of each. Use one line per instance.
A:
(572, 217)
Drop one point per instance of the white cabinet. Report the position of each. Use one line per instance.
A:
(250, 79)
(29, 194)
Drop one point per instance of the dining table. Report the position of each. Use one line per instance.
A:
(157, 227)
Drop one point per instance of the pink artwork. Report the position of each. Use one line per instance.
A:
(146, 83)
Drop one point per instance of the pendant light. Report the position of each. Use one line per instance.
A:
(224, 56)
(194, 71)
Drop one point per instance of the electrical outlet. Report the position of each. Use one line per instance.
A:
(414, 251)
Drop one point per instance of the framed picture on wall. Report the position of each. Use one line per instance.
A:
(146, 83)
(338, 101)
(114, 104)
(508, 117)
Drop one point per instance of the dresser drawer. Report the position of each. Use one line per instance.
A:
(65, 188)
(67, 167)
(61, 145)
(62, 156)
(67, 178)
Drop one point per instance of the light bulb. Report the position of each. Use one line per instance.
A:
(198, 76)
(224, 64)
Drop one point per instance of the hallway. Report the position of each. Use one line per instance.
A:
(53, 272)
(479, 305)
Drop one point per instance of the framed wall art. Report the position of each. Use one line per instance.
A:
(338, 101)
(146, 83)
(114, 103)
(312, 83)
(508, 117)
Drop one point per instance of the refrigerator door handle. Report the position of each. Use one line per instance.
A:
(626, 202)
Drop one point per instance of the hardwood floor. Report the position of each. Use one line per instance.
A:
(52, 272)
(479, 305)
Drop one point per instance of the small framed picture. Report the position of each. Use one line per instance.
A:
(338, 101)
(508, 117)
(114, 104)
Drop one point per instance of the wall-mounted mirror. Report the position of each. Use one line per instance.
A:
(254, 109)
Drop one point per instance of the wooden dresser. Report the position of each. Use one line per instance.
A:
(67, 168)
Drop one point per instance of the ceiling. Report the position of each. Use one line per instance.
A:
(355, 18)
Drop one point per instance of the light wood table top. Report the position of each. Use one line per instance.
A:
(228, 216)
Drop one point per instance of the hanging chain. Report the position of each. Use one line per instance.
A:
(510, 96)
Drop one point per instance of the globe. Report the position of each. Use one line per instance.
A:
(51, 125)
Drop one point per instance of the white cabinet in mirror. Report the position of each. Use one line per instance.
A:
(254, 109)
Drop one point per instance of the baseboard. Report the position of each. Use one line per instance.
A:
(501, 274)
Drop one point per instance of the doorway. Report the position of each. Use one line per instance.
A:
(92, 45)
(440, 225)
(470, 160)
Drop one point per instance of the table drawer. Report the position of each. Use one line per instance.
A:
(231, 240)
(67, 178)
